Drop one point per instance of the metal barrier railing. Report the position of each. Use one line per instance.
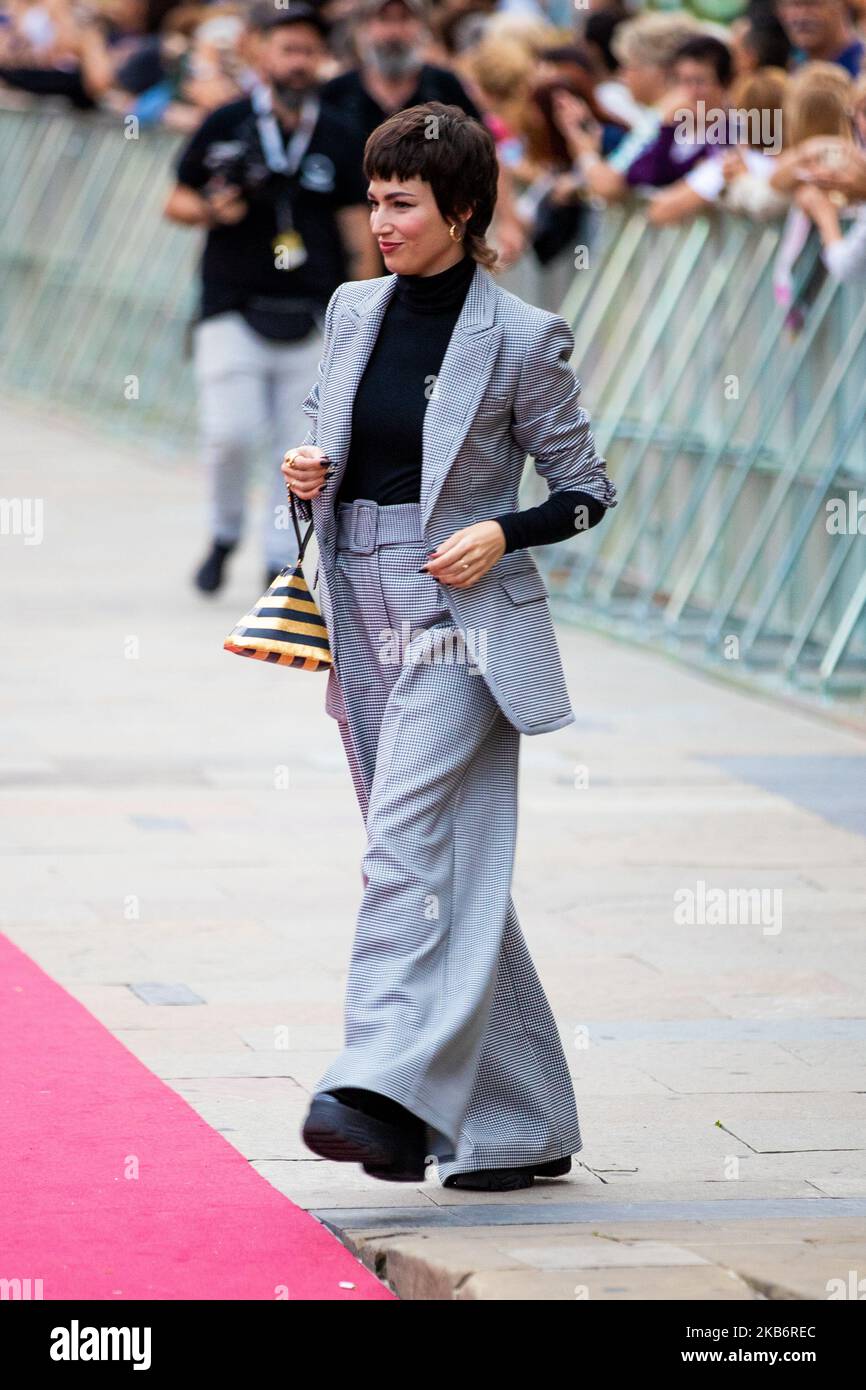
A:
(725, 434)
(96, 289)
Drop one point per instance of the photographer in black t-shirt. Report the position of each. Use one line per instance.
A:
(277, 181)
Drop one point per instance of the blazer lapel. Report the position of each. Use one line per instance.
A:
(462, 380)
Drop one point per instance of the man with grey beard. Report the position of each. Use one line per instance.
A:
(391, 74)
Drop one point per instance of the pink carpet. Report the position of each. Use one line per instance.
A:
(76, 1108)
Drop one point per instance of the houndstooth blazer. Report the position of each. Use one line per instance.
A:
(505, 389)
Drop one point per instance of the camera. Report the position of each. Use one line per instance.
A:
(239, 163)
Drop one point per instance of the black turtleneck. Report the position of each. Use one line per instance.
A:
(438, 294)
(384, 461)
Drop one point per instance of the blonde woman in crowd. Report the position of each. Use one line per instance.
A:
(817, 105)
(817, 100)
(502, 71)
(839, 220)
(498, 73)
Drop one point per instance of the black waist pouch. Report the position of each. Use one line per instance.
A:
(283, 320)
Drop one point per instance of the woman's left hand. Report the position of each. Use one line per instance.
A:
(468, 554)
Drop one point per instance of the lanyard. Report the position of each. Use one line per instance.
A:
(280, 158)
(285, 160)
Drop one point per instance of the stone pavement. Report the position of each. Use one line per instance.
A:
(690, 879)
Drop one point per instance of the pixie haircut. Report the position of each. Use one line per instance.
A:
(452, 152)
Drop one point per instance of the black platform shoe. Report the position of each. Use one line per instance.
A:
(356, 1126)
(508, 1179)
(209, 575)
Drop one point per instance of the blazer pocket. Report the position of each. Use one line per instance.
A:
(523, 588)
(494, 404)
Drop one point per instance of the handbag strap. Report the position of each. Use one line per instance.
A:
(302, 544)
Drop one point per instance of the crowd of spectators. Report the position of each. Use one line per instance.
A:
(764, 115)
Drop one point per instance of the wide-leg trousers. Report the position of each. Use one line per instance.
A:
(444, 1011)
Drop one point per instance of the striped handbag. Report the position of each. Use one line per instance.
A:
(285, 627)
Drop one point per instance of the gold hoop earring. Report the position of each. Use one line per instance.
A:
(452, 229)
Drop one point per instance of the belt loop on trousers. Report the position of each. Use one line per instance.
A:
(364, 526)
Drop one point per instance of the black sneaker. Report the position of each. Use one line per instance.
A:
(391, 1139)
(209, 575)
(508, 1179)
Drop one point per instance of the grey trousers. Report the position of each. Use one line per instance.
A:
(444, 1011)
(250, 392)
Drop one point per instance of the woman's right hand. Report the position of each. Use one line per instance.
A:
(576, 124)
(306, 471)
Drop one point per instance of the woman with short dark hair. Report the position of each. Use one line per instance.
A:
(433, 386)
